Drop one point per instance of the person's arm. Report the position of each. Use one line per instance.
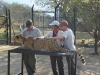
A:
(22, 33)
(58, 37)
(39, 33)
(47, 34)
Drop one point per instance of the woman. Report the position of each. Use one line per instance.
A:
(56, 32)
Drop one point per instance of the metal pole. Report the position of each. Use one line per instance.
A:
(9, 26)
(75, 36)
(8, 62)
(33, 13)
(55, 13)
(22, 64)
(97, 25)
(56, 10)
(43, 23)
(75, 23)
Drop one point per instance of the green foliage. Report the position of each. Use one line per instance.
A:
(88, 10)
(3, 36)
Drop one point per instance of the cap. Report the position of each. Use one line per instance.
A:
(54, 23)
(28, 23)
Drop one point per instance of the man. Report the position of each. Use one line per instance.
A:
(56, 60)
(29, 59)
(69, 39)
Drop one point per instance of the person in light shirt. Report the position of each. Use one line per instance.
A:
(30, 59)
(56, 60)
(69, 38)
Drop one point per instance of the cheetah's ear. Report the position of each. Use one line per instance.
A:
(17, 37)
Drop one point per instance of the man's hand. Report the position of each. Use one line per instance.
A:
(37, 38)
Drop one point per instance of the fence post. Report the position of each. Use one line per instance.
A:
(9, 27)
(33, 13)
(75, 22)
(6, 25)
(56, 10)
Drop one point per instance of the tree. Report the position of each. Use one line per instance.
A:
(88, 10)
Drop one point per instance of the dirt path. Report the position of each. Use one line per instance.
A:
(91, 68)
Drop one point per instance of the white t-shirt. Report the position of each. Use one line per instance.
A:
(69, 39)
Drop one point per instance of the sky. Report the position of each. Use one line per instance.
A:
(27, 2)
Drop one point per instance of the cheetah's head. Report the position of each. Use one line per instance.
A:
(19, 38)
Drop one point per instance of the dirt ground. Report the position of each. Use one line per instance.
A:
(43, 66)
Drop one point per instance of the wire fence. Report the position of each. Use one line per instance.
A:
(4, 24)
(82, 26)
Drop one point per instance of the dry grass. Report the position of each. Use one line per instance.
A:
(86, 40)
(43, 66)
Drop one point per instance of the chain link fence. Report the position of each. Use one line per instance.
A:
(81, 26)
(4, 24)
(18, 18)
(81, 23)
(44, 19)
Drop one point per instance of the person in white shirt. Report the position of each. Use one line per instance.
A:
(56, 59)
(69, 39)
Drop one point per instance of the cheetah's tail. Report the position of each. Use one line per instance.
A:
(79, 54)
(82, 58)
